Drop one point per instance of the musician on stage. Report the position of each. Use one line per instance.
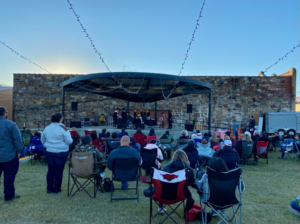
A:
(170, 120)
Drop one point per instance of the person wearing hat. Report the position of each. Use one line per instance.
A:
(229, 155)
(239, 145)
(11, 146)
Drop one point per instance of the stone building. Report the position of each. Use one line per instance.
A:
(37, 96)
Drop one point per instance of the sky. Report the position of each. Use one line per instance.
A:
(234, 37)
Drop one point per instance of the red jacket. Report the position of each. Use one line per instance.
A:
(140, 138)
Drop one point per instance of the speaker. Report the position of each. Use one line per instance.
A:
(189, 127)
(74, 106)
(189, 108)
(76, 124)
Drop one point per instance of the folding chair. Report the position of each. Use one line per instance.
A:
(182, 141)
(89, 132)
(110, 145)
(125, 169)
(275, 145)
(36, 153)
(166, 147)
(149, 160)
(193, 158)
(149, 138)
(168, 191)
(292, 151)
(262, 150)
(222, 189)
(246, 152)
(83, 167)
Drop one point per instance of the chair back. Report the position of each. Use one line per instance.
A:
(212, 144)
(26, 139)
(222, 187)
(168, 186)
(289, 144)
(112, 144)
(149, 159)
(149, 138)
(125, 169)
(74, 134)
(87, 132)
(247, 148)
(262, 147)
(182, 141)
(83, 163)
(230, 158)
(165, 141)
(193, 157)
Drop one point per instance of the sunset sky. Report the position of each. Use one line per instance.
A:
(238, 38)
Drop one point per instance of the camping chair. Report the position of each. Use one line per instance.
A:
(37, 154)
(111, 144)
(125, 169)
(166, 147)
(246, 152)
(168, 191)
(262, 150)
(149, 138)
(82, 166)
(182, 141)
(275, 145)
(222, 187)
(88, 132)
(193, 158)
(292, 151)
(149, 160)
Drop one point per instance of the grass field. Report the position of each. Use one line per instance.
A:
(269, 190)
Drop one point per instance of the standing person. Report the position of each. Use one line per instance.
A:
(56, 139)
(170, 120)
(115, 117)
(148, 113)
(251, 126)
(124, 117)
(10, 149)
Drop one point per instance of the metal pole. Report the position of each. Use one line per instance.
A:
(209, 112)
(63, 102)
(156, 110)
(127, 106)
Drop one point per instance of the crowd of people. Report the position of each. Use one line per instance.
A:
(57, 142)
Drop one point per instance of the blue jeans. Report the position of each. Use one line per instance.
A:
(56, 164)
(10, 169)
(295, 206)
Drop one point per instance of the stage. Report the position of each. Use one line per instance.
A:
(176, 132)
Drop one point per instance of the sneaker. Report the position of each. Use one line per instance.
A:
(161, 210)
(293, 211)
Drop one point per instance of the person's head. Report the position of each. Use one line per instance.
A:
(93, 136)
(183, 133)
(107, 134)
(123, 129)
(180, 155)
(86, 140)
(57, 118)
(114, 135)
(263, 134)
(218, 164)
(204, 141)
(251, 117)
(125, 141)
(103, 131)
(73, 129)
(256, 132)
(191, 143)
(162, 113)
(227, 142)
(152, 141)
(28, 131)
(102, 114)
(37, 134)
(205, 135)
(194, 136)
(214, 137)
(167, 133)
(198, 131)
(247, 136)
(3, 112)
(138, 130)
(151, 132)
(227, 133)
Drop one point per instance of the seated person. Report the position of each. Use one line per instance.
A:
(140, 137)
(229, 155)
(179, 162)
(122, 133)
(36, 145)
(95, 140)
(190, 148)
(86, 146)
(184, 135)
(263, 138)
(255, 136)
(112, 143)
(286, 142)
(206, 137)
(239, 145)
(124, 151)
(102, 134)
(169, 136)
(199, 134)
(295, 206)
(214, 140)
(151, 134)
(231, 139)
(276, 138)
(74, 130)
(164, 136)
(153, 146)
(204, 150)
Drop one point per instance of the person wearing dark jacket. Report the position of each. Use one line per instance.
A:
(255, 136)
(251, 126)
(190, 148)
(179, 162)
(263, 138)
(115, 117)
(170, 120)
(124, 151)
(122, 133)
(229, 155)
(10, 149)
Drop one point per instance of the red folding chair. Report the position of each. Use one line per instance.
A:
(86, 132)
(262, 150)
(149, 138)
(74, 134)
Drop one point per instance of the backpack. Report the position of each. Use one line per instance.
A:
(107, 184)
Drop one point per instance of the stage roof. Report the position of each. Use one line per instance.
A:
(122, 85)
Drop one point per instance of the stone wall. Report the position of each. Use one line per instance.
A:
(37, 96)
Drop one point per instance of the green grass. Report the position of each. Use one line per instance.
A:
(269, 190)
